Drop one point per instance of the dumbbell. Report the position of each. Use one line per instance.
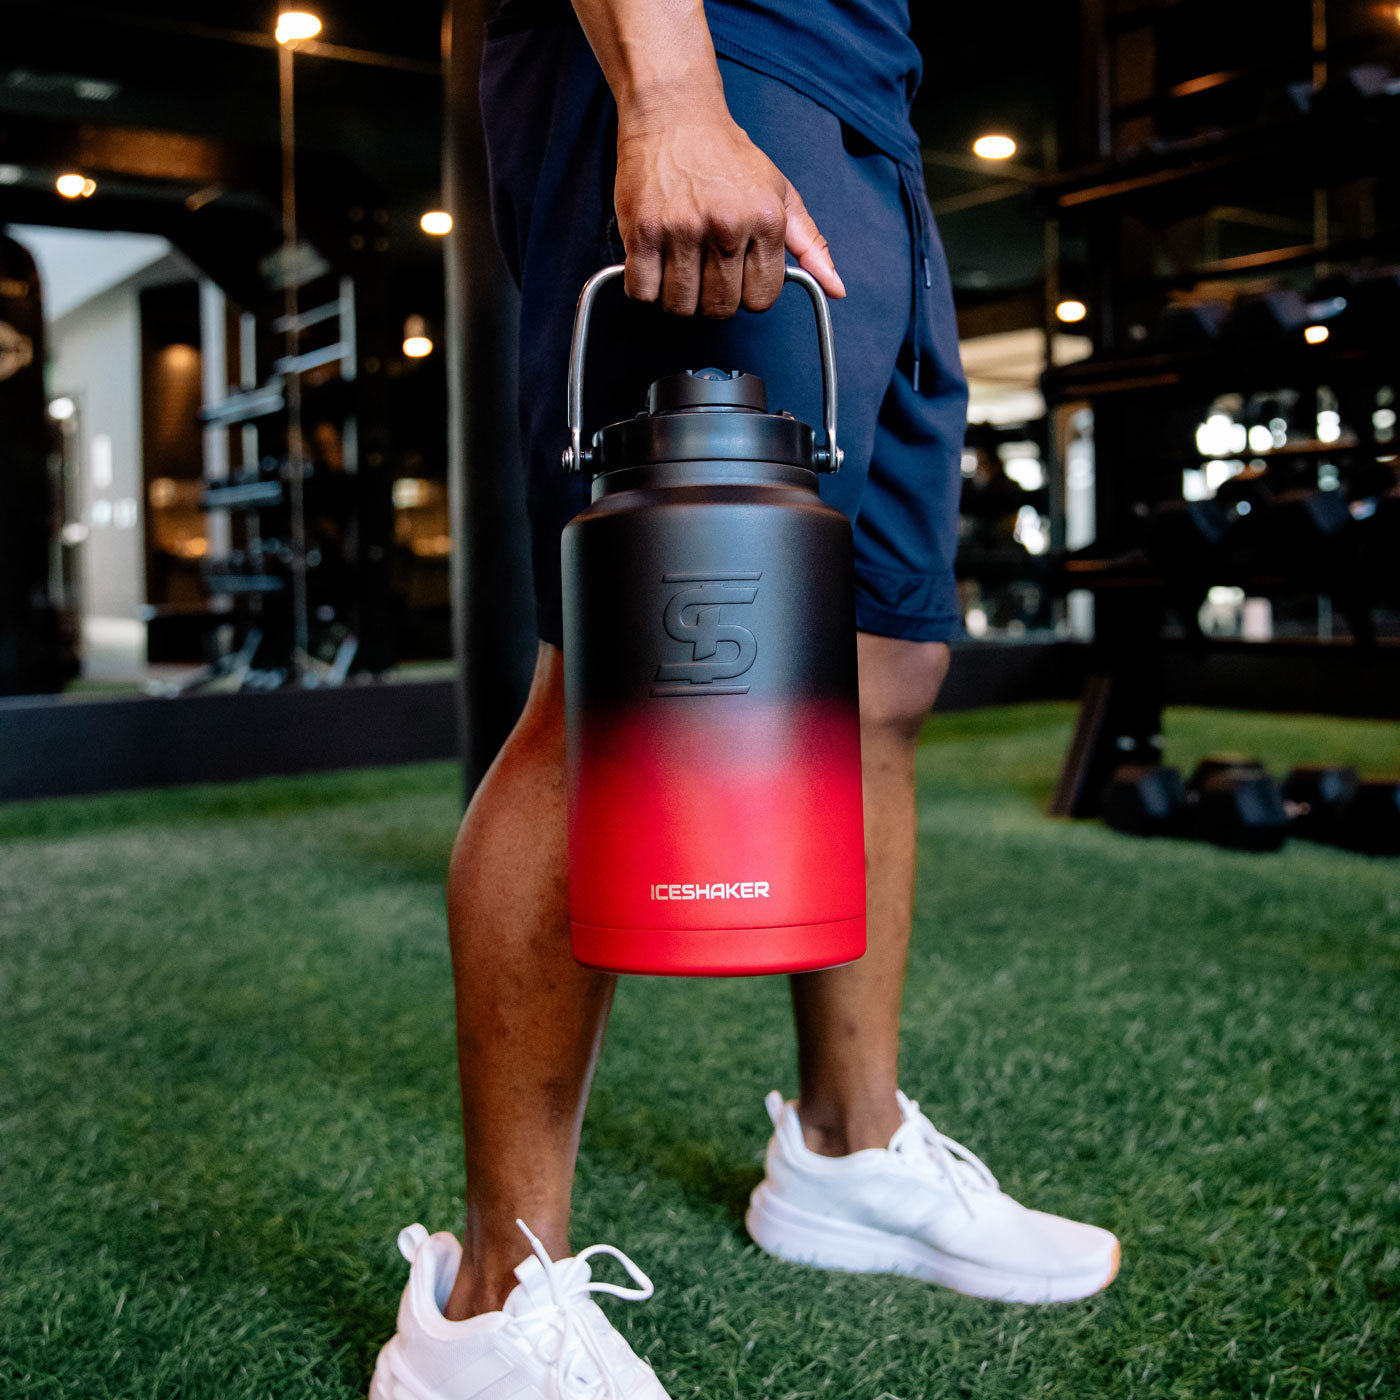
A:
(1188, 326)
(1230, 801)
(1372, 821)
(1267, 316)
(1237, 804)
(1194, 532)
(1377, 544)
(1325, 794)
(1304, 523)
(1146, 801)
(1343, 811)
(1289, 528)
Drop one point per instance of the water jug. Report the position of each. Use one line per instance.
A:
(710, 679)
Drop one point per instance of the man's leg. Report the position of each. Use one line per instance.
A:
(848, 1018)
(529, 1019)
(926, 1207)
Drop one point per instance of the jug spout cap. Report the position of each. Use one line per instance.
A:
(707, 388)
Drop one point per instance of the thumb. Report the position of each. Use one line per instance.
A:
(806, 244)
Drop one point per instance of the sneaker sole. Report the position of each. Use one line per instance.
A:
(799, 1237)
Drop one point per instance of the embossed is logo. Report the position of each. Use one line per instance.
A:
(700, 615)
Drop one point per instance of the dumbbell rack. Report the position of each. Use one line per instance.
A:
(1148, 210)
(257, 578)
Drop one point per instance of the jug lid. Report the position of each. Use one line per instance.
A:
(704, 415)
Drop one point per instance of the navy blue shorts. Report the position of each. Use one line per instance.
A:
(552, 137)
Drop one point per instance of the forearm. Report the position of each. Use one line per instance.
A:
(657, 57)
(704, 215)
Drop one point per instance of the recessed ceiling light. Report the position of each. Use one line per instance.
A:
(296, 24)
(74, 186)
(994, 147)
(416, 343)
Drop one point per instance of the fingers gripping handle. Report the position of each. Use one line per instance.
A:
(577, 457)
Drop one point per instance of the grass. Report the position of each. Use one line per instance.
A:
(226, 1080)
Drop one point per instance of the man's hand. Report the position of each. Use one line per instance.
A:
(705, 217)
(704, 214)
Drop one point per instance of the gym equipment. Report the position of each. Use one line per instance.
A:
(1371, 823)
(1146, 801)
(1186, 532)
(1340, 810)
(1303, 523)
(1232, 801)
(1237, 804)
(1189, 533)
(1267, 316)
(1247, 493)
(1188, 326)
(1229, 801)
(715, 822)
(1251, 523)
(1323, 794)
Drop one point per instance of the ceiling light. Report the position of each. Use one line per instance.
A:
(416, 343)
(296, 24)
(1315, 335)
(72, 186)
(437, 221)
(62, 409)
(1071, 311)
(994, 147)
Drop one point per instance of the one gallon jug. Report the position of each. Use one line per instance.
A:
(710, 674)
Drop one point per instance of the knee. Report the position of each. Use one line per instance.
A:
(899, 681)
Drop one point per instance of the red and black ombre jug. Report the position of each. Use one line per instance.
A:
(710, 675)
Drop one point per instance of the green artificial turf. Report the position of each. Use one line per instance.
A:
(227, 1079)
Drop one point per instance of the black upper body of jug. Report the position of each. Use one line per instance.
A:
(709, 490)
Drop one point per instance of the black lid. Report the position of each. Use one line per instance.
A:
(704, 415)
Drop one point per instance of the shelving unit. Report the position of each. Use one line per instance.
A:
(1241, 187)
(261, 556)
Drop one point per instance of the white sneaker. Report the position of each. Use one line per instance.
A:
(550, 1341)
(924, 1206)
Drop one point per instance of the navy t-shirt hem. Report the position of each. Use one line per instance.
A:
(897, 140)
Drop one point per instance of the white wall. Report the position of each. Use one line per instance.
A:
(95, 359)
(76, 265)
(91, 284)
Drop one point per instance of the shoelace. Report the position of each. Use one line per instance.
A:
(916, 1138)
(573, 1326)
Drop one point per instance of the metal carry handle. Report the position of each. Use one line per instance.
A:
(577, 457)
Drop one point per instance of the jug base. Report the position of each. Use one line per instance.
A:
(719, 952)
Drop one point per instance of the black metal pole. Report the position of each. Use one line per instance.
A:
(492, 598)
(296, 443)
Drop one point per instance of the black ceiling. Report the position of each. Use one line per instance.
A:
(374, 132)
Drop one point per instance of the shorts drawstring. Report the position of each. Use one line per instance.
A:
(923, 269)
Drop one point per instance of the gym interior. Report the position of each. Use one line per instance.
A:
(266, 619)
